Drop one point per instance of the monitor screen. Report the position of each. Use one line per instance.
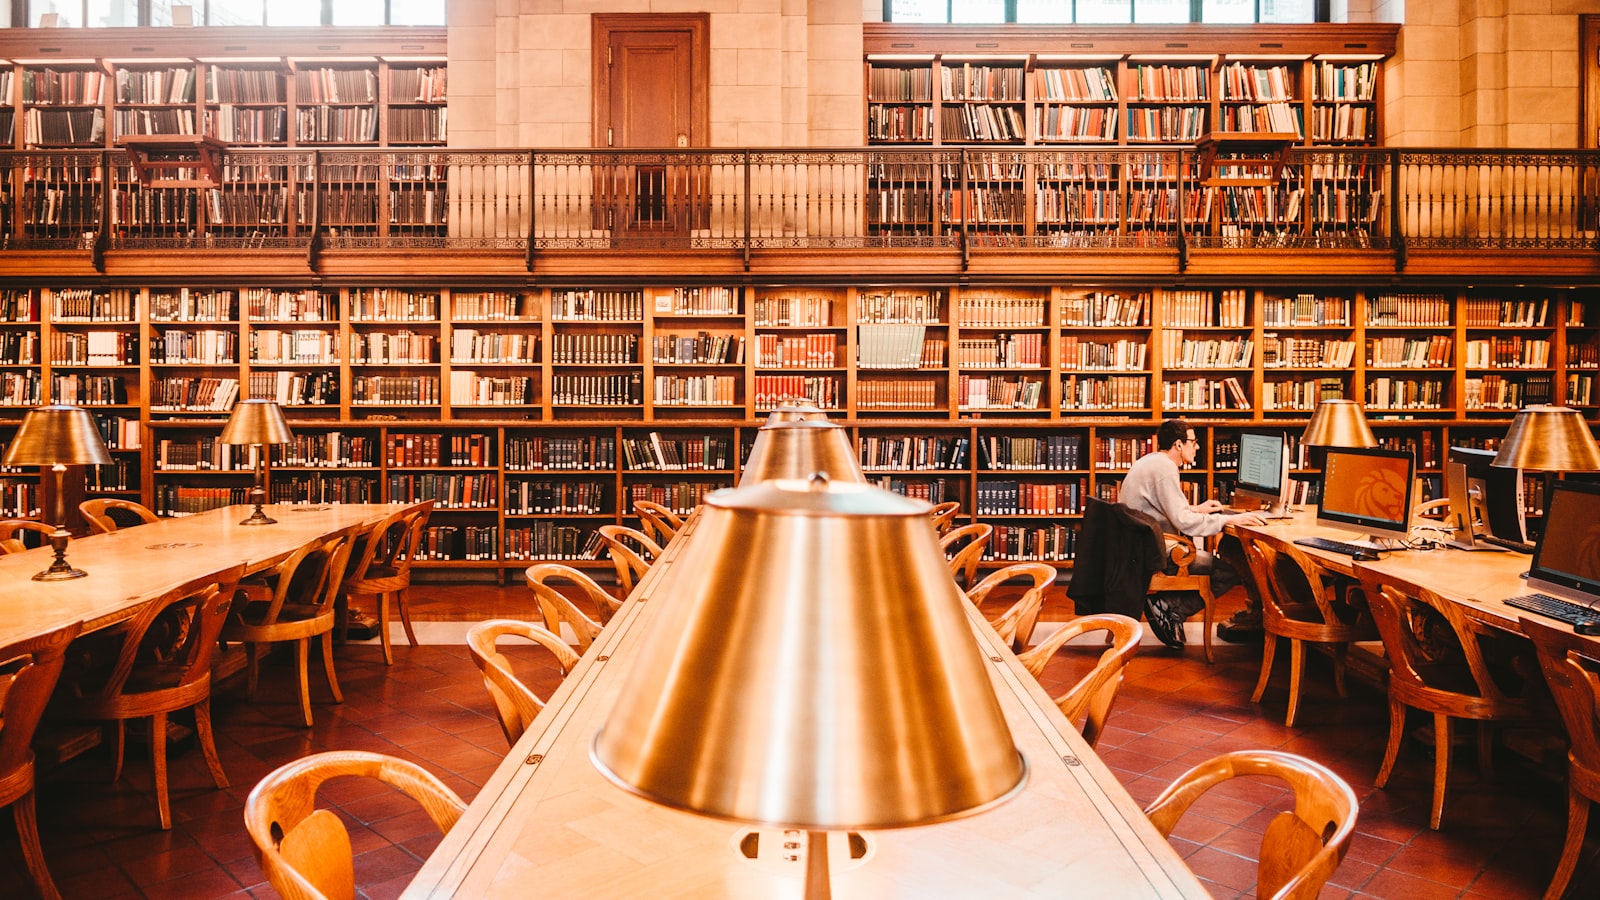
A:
(1569, 550)
(1367, 490)
(1261, 462)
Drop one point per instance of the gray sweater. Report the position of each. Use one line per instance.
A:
(1152, 486)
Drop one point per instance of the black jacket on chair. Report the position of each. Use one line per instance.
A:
(1118, 550)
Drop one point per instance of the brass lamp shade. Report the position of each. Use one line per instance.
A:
(812, 668)
(1549, 439)
(1338, 423)
(57, 435)
(256, 422)
(797, 449)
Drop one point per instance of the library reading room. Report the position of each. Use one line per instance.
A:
(1150, 447)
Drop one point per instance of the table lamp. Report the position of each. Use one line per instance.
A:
(796, 448)
(58, 436)
(813, 669)
(1549, 439)
(1338, 423)
(260, 424)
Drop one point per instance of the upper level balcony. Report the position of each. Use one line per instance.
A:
(915, 212)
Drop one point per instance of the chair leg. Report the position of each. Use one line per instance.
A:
(1397, 734)
(252, 669)
(1341, 660)
(1441, 766)
(1206, 595)
(327, 666)
(1297, 669)
(1577, 824)
(208, 744)
(1269, 650)
(33, 852)
(158, 764)
(119, 744)
(1485, 750)
(383, 629)
(403, 599)
(302, 648)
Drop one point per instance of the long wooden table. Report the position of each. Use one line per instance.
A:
(548, 822)
(133, 565)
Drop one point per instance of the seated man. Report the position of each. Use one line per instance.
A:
(1152, 486)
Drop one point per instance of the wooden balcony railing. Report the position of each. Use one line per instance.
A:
(968, 200)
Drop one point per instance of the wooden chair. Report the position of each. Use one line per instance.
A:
(556, 607)
(1015, 625)
(1571, 666)
(304, 851)
(28, 673)
(1181, 551)
(1437, 665)
(944, 515)
(1297, 605)
(11, 531)
(625, 545)
(296, 603)
(1300, 849)
(659, 522)
(517, 704)
(162, 666)
(103, 518)
(381, 569)
(964, 547)
(1088, 703)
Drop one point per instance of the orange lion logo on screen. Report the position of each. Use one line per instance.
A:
(1381, 494)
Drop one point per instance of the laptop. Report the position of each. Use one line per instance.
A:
(1566, 561)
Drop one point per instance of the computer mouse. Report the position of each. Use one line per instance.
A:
(1589, 626)
(1365, 557)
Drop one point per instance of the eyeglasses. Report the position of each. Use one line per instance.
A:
(1191, 440)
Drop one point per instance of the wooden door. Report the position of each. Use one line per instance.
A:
(651, 73)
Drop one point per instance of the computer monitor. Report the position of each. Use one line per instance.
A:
(1567, 561)
(1263, 476)
(1367, 490)
(1466, 485)
(1505, 507)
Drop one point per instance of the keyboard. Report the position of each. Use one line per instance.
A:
(1332, 546)
(1519, 546)
(1554, 608)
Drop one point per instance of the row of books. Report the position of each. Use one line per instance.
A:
(1003, 351)
(1013, 452)
(248, 125)
(1112, 452)
(983, 392)
(391, 348)
(918, 452)
(799, 351)
(63, 86)
(237, 85)
(1204, 394)
(703, 348)
(1106, 310)
(468, 345)
(1300, 396)
(655, 452)
(1180, 352)
(493, 306)
(694, 390)
(700, 301)
(292, 388)
(336, 124)
(1089, 83)
(1581, 390)
(1499, 392)
(1356, 82)
(1514, 352)
(19, 499)
(1077, 123)
(459, 542)
(899, 123)
(679, 496)
(394, 390)
(899, 206)
(1228, 307)
(419, 125)
(68, 208)
(1305, 310)
(1123, 392)
(899, 84)
(93, 305)
(205, 346)
(548, 540)
(540, 452)
(309, 305)
(1405, 393)
(975, 311)
(203, 454)
(456, 490)
(153, 121)
(1274, 118)
(193, 305)
(938, 491)
(1013, 498)
(598, 390)
(329, 85)
(973, 81)
(525, 498)
(315, 487)
(424, 84)
(1488, 312)
(120, 432)
(19, 305)
(393, 305)
(1167, 83)
(1074, 204)
(418, 205)
(1032, 543)
(183, 500)
(179, 393)
(119, 475)
(593, 349)
(88, 390)
(983, 122)
(826, 391)
(1409, 309)
(897, 393)
(1117, 356)
(1342, 123)
(455, 449)
(328, 449)
(1167, 124)
(1430, 352)
(21, 389)
(900, 306)
(1584, 355)
(469, 388)
(304, 346)
(892, 346)
(1242, 82)
(1008, 205)
(1305, 353)
(780, 312)
(596, 306)
(93, 348)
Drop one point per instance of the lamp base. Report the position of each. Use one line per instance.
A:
(258, 518)
(60, 569)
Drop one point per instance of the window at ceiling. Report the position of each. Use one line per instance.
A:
(127, 13)
(1104, 12)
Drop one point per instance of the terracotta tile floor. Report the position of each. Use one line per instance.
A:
(1500, 839)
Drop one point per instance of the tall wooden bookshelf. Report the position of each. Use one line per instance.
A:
(534, 414)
